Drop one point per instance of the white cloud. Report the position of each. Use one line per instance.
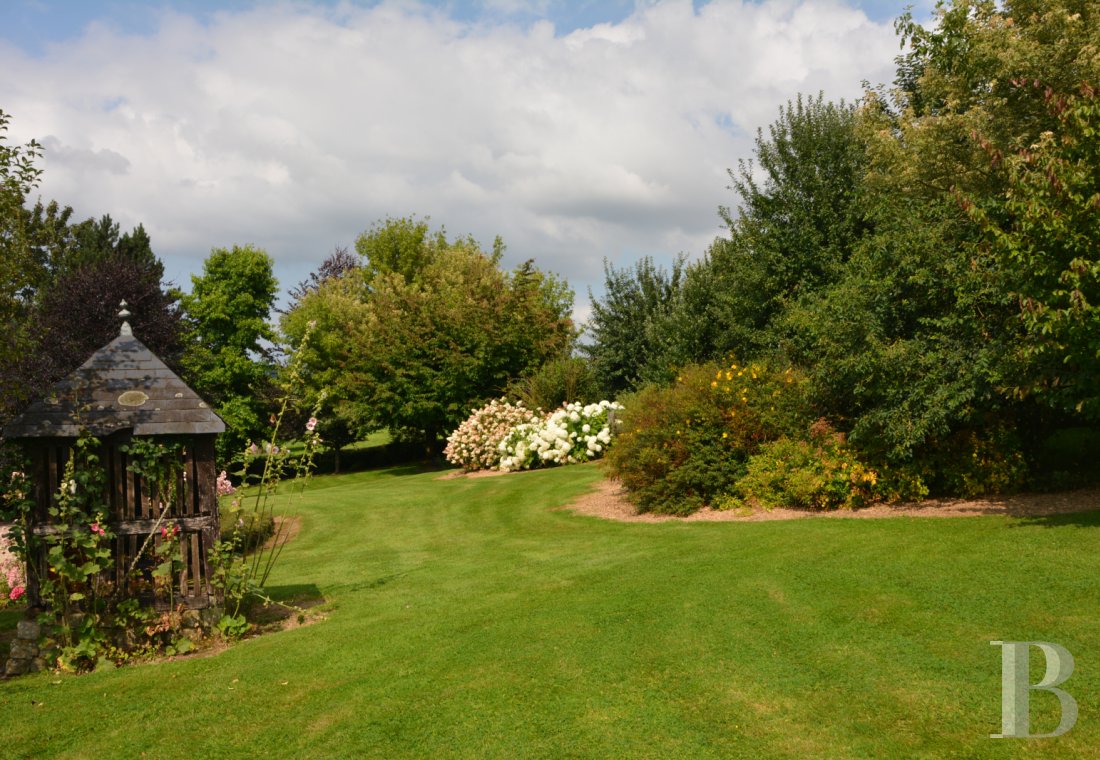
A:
(295, 126)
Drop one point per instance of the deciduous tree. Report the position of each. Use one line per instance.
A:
(427, 330)
(624, 330)
(227, 354)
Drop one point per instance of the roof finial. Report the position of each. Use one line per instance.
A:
(124, 314)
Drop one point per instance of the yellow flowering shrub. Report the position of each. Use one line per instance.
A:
(819, 471)
(683, 446)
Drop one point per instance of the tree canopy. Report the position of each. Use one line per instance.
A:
(228, 336)
(61, 283)
(427, 329)
(928, 255)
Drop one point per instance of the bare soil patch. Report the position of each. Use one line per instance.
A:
(474, 474)
(286, 530)
(609, 502)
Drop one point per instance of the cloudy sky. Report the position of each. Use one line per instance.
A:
(577, 131)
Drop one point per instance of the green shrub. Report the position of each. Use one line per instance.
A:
(556, 383)
(820, 471)
(902, 482)
(681, 447)
(967, 463)
(980, 462)
(1066, 459)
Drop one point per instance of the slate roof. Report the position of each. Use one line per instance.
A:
(122, 386)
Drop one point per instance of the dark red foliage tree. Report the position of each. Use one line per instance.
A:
(79, 313)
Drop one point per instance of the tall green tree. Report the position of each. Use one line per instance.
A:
(431, 350)
(227, 356)
(624, 345)
(95, 240)
(976, 243)
(324, 312)
(1044, 231)
(19, 175)
(402, 246)
(1015, 86)
(797, 223)
(426, 330)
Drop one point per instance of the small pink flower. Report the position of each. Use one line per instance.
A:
(311, 424)
(17, 592)
(224, 486)
(97, 529)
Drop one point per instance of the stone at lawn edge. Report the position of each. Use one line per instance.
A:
(30, 630)
(17, 667)
(23, 650)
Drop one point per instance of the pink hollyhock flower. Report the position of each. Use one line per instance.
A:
(311, 424)
(97, 529)
(224, 486)
(16, 593)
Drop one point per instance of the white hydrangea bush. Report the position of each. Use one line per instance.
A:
(475, 444)
(574, 433)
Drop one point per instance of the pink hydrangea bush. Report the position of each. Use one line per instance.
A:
(475, 445)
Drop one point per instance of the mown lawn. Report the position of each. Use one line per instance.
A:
(470, 618)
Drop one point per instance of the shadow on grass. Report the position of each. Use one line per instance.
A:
(301, 594)
(379, 582)
(404, 470)
(1089, 519)
(387, 579)
(291, 602)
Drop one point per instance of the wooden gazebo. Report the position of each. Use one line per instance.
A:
(124, 391)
